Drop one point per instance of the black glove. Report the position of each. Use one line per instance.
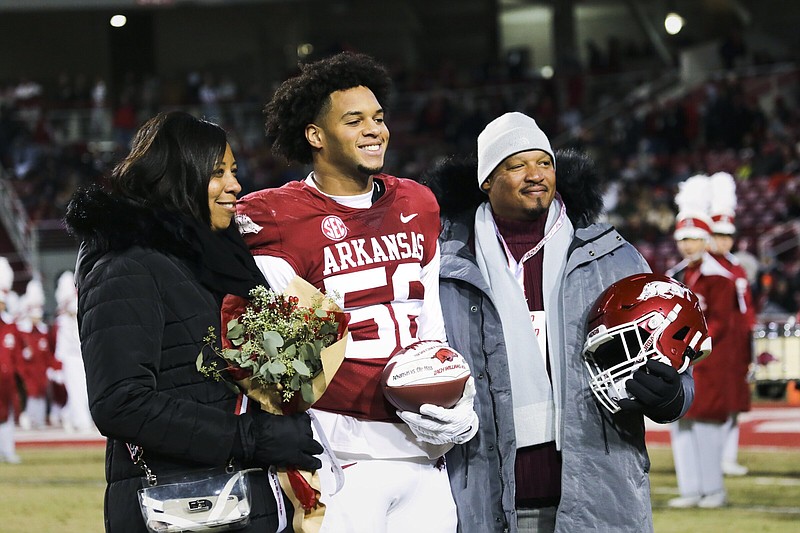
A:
(657, 392)
(284, 441)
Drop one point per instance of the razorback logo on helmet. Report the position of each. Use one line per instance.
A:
(662, 289)
(333, 228)
(444, 355)
(246, 224)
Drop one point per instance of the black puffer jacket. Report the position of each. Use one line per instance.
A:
(143, 315)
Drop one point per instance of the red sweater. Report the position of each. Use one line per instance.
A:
(538, 468)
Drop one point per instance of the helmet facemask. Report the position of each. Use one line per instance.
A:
(613, 355)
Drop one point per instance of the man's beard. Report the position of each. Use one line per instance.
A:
(369, 171)
(535, 213)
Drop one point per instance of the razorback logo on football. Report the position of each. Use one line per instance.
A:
(443, 355)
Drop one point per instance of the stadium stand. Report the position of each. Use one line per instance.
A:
(647, 126)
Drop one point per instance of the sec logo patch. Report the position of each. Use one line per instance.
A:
(333, 228)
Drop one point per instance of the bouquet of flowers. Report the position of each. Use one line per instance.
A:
(276, 345)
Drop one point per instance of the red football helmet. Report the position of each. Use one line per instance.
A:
(641, 316)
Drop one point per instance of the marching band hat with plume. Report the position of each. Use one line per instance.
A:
(723, 203)
(6, 277)
(66, 295)
(693, 201)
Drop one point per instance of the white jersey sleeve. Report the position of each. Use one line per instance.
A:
(431, 321)
(277, 271)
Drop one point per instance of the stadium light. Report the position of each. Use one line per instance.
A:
(673, 23)
(305, 50)
(118, 21)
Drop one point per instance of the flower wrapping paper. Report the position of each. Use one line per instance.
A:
(302, 487)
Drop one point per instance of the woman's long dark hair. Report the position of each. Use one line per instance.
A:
(170, 164)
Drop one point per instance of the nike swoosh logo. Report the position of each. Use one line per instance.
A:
(406, 219)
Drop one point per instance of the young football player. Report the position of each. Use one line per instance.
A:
(370, 240)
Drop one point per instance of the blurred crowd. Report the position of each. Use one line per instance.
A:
(747, 126)
(42, 380)
(58, 136)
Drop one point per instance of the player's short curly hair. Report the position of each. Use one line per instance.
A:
(299, 100)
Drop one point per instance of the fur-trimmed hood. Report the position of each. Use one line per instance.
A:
(105, 222)
(577, 181)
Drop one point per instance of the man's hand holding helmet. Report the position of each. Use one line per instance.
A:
(656, 391)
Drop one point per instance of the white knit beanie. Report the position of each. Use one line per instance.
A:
(507, 135)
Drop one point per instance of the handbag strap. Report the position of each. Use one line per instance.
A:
(137, 456)
(219, 505)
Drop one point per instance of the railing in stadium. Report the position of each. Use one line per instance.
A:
(22, 233)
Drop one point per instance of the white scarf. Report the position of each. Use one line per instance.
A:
(535, 411)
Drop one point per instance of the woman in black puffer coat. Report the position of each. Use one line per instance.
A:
(158, 254)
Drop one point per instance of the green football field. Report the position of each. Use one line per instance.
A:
(60, 490)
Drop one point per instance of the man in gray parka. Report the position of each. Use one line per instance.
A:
(522, 262)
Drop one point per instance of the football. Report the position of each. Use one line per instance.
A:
(425, 372)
